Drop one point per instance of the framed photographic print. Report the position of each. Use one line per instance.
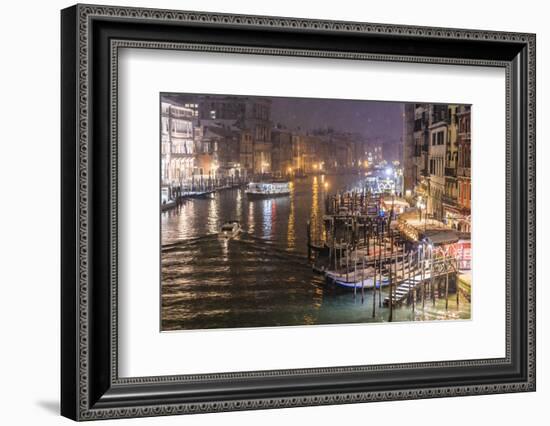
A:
(263, 212)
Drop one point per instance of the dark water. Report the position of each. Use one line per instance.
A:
(261, 278)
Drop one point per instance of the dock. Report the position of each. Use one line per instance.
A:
(366, 249)
(196, 192)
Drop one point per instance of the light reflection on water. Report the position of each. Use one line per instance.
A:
(260, 278)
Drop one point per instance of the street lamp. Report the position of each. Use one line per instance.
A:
(419, 207)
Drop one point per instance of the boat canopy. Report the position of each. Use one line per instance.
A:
(439, 237)
(268, 185)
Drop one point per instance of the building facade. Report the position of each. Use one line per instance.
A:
(258, 120)
(464, 167)
(420, 163)
(177, 144)
(298, 153)
(281, 154)
(246, 152)
(409, 165)
(437, 161)
(451, 211)
(252, 114)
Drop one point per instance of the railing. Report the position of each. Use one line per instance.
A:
(181, 134)
(175, 153)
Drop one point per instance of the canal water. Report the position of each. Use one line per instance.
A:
(262, 277)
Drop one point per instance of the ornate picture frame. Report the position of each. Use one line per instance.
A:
(91, 37)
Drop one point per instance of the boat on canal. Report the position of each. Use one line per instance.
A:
(230, 229)
(271, 189)
(166, 200)
(353, 282)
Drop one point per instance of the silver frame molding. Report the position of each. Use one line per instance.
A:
(91, 388)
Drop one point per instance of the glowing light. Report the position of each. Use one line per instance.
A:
(388, 171)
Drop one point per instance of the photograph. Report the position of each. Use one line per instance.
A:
(279, 211)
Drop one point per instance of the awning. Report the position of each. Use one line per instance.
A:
(440, 236)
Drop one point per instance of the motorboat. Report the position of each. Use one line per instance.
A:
(230, 229)
(267, 189)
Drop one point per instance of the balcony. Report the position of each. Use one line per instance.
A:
(463, 172)
(419, 124)
(450, 172)
(181, 134)
(181, 155)
(447, 199)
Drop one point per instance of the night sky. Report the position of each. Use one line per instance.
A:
(379, 121)
(372, 119)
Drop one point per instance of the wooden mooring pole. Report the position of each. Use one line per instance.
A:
(374, 289)
(409, 275)
(422, 280)
(432, 288)
(457, 284)
(308, 240)
(446, 287)
(390, 319)
(379, 264)
(355, 276)
(347, 263)
(362, 279)
(366, 235)
(403, 262)
(341, 253)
